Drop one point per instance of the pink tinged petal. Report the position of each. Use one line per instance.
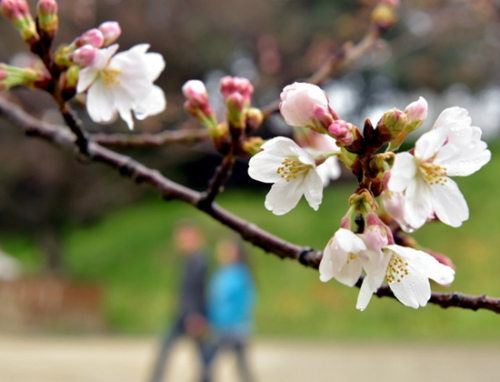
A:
(85, 78)
(284, 196)
(430, 143)
(313, 189)
(100, 103)
(153, 104)
(418, 206)
(417, 111)
(402, 172)
(448, 203)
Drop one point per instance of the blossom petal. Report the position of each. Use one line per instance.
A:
(452, 116)
(153, 104)
(155, 65)
(100, 103)
(313, 190)
(418, 206)
(85, 78)
(449, 204)
(429, 143)
(284, 196)
(402, 172)
(263, 167)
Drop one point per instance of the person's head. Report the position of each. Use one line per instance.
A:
(228, 251)
(188, 238)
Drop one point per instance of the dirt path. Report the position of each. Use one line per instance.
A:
(56, 359)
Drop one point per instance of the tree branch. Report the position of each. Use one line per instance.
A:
(168, 190)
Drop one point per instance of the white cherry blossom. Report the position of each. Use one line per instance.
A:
(407, 271)
(293, 171)
(122, 83)
(452, 148)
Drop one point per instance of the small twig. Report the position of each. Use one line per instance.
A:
(75, 125)
(220, 177)
(139, 173)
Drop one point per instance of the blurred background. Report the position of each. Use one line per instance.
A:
(86, 252)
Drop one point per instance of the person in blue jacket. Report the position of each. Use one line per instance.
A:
(230, 304)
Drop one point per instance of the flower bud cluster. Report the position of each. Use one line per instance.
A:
(18, 13)
(11, 76)
(241, 118)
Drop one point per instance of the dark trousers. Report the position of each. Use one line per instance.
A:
(176, 332)
(235, 344)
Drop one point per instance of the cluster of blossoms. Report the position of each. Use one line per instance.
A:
(114, 83)
(414, 187)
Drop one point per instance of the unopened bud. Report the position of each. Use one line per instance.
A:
(68, 82)
(197, 103)
(47, 19)
(111, 31)
(92, 37)
(17, 12)
(416, 111)
(84, 56)
(254, 119)
(391, 125)
(384, 15)
(231, 85)
(235, 104)
(252, 145)
(342, 132)
(306, 105)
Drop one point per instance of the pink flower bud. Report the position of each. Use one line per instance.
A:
(47, 7)
(195, 92)
(416, 111)
(305, 105)
(84, 56)
(391, 3)
(111, 31)
(92, 37)
(375, 237)
(14, 9)
(341, 130)
(230, 85)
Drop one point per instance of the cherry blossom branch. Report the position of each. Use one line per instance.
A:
(184, 135)
(220, 177)
(169, 190)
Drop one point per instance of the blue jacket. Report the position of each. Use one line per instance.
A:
(231, 299)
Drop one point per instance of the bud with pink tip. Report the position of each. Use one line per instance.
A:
(92, 37)
(17, 12)
(84, 56)
(342, 132)
(416, 111)
(230, 85)
(47, 19)
(306, 105)
(197, 103)
(111, 31)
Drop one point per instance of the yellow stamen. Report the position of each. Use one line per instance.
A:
(434, 174)
(110, 77)
(397, 269)
(292, 168)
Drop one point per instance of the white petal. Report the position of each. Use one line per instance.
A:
(153, 104)
(100, 103)
(313, 189)
(284, 196)
(452, 116)
(263, 167)
(85, 78)
(402, 172)
(155, 65)
(370, 285)
(281, 146)
(418, 206)
(449, 203)
(329, 170)
(429, 143)
(104, 55)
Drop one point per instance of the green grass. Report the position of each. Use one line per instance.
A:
(130, 255)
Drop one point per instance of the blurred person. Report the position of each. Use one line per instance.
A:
(190, 319)
(230, 304)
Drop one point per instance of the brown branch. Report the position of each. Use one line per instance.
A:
(221, 176)
(61, 136)
(183, 135)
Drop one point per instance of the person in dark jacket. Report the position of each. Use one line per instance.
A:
(190, 318)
